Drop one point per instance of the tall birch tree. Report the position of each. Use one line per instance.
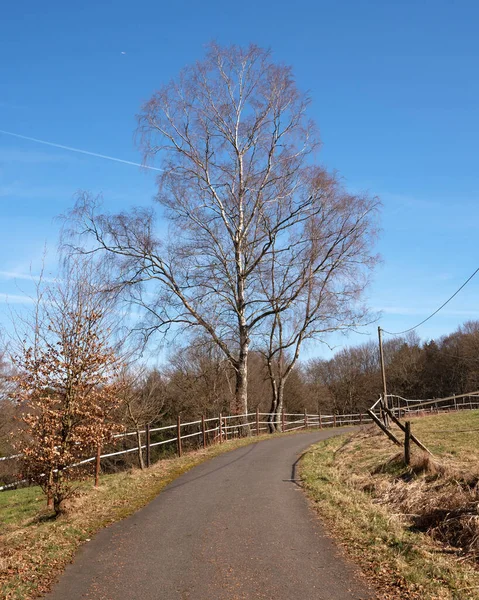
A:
(236, 149)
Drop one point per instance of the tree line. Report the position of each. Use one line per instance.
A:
(68, 388)
(351, 380)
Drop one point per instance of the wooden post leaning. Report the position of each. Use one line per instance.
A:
(403, 428)
(97, 465)
(383, 428)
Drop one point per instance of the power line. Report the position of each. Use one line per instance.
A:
(436, 311)
(79, 151)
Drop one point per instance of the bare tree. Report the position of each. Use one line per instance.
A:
(144, 402)
(327, 275)
(200, 379)
(238, 183)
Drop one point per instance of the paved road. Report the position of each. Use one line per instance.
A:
(234, 528)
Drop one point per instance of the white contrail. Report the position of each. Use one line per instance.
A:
(120, 160)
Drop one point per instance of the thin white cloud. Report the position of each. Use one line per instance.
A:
(408, 311)
(17, 189)
(445, 276)
(78, 150)
(16, 299)
(392, 199)
(12, 105)
(26, 276)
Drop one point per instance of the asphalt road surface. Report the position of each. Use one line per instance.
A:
(236, 527)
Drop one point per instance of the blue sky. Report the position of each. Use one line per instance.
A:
(394, 87)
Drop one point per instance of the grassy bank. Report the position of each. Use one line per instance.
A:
(414, 530)
(34, 549)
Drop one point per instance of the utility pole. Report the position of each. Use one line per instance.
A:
(383, 374)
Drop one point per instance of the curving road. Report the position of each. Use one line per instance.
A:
(236, 527)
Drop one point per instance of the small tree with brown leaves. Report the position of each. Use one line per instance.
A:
(67, 383)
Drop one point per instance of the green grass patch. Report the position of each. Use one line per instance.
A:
(18, 506)
(455, 433)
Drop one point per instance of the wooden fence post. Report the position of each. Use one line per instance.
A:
(305, 419)
(283, 424)
(257, 421)
(97, 465)
(407, 443)
(320, 421)
(334, 419)
(221, 428)
(178, 434)
(203, 430)
(360, 418)
(148, 442)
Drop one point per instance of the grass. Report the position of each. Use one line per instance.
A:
(34, 548)
(18, 506)
(414, 530)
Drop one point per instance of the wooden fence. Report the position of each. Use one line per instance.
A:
(207, 431)
(403, 406)
(397, 407)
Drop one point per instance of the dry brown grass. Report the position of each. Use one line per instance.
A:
(419, 525)
(434, 495)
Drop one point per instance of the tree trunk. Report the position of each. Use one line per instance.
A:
(241, 391)
(274, 404)
(141, 462)
(279, 404)
(57, 504)
(57, 493)
(49, 490)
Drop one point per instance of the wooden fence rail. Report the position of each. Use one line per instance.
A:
(396, 407)
(211, 430)
(223, 427)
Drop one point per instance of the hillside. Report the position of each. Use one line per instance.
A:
(414, 530)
